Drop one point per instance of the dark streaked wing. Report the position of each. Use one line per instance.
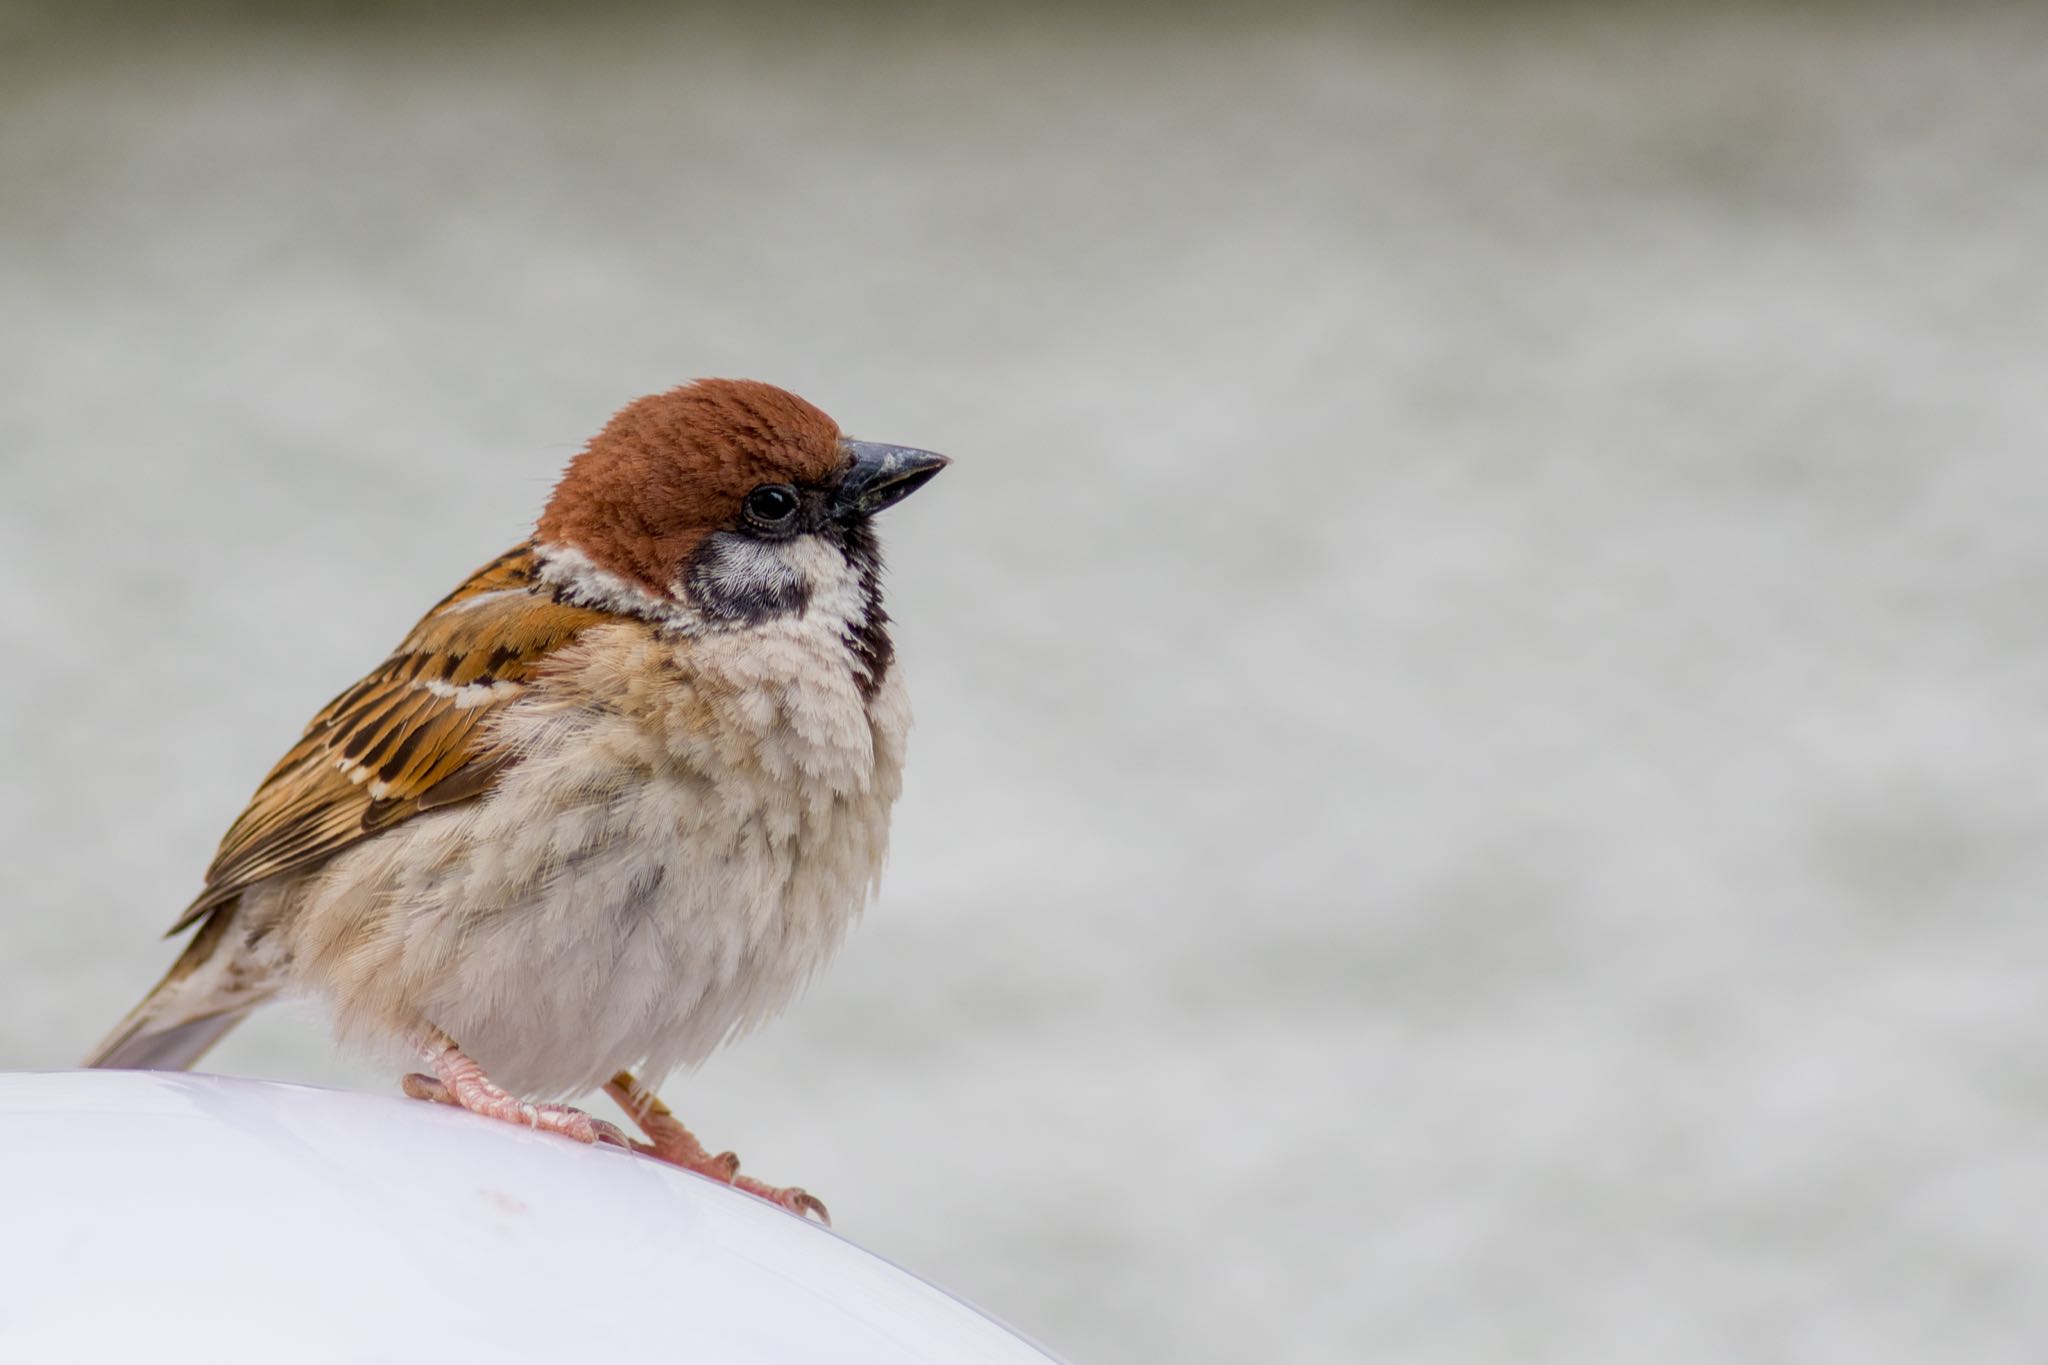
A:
(409, 737)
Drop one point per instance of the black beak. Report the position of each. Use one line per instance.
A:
(882, 476)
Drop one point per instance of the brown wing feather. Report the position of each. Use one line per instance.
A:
(407, 738)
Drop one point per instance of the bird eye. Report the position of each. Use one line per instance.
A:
(771, 505)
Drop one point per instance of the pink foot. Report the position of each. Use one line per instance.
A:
(670, 1141)
(800, 1202)
(458, 1080)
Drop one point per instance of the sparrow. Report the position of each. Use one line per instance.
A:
(611, 804)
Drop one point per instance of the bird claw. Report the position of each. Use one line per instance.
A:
(803, 1204)
(419, 1086)
(671, 1142)
(610, 1135)
(573, 1123)
(800, 1202)
(725, 1169)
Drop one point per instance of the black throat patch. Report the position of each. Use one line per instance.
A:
(867, 638)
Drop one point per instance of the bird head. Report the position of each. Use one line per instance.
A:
(722, 503)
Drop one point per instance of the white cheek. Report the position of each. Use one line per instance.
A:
(737, 582)
(740, 566)
(582, 583)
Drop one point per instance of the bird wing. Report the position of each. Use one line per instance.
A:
(410, 737)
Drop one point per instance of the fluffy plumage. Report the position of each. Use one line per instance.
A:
(610, 803)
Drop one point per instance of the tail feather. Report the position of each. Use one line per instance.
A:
(187, 1012)
(146, 1044)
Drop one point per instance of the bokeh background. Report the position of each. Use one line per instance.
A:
(1479, 788)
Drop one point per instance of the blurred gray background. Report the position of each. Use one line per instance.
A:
(1480, 770)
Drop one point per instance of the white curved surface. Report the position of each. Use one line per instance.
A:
(171, 1218)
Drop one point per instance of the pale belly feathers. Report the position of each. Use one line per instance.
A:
(684, 842)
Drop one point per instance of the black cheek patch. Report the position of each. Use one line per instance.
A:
(737, 580)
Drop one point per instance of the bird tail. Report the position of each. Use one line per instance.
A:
(187, 1012)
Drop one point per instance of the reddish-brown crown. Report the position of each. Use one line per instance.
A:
(671, 468)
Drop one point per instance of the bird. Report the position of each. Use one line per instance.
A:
(610, 805)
